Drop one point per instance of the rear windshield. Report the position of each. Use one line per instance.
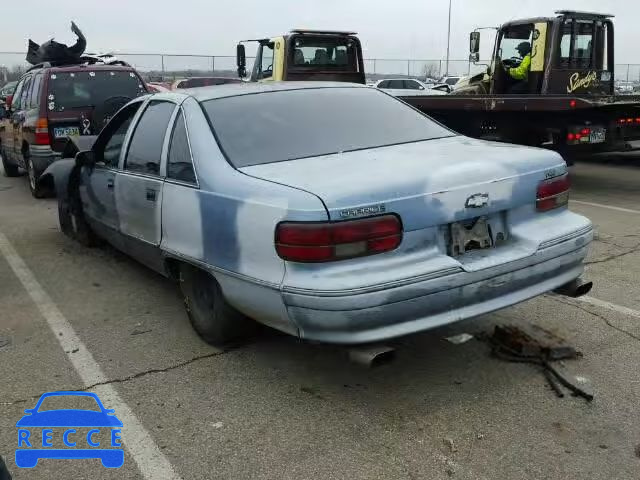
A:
(91, 88)
(287, 125)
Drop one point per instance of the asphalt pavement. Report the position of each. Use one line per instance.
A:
(74, 318)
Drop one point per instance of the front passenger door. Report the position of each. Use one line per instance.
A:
(139, 185)
(97, 186)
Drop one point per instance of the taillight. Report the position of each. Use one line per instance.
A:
(329, 241)
(42, 132)
(553, 193)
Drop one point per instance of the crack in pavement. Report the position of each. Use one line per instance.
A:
(601, 317)
(128, 378)
(635, 249)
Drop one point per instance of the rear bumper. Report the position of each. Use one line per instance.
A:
(352, 317)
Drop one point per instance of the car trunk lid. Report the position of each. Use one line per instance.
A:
(427, 183)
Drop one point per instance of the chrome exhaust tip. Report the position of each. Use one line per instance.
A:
(574, 289)
(370, 356)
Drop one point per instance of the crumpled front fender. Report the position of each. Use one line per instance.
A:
(56, 176)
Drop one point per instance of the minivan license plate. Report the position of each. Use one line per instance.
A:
(60, 132)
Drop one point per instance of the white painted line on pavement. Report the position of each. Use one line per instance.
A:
(609, 207)
(151, 462)
(609, 306)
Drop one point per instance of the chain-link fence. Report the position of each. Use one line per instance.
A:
(166, 67)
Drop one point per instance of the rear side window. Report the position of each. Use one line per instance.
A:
(344, 119)
(36, 88)
(145, 148)
(24, 94)
(396, 84)
(180, 165)
(384, 84)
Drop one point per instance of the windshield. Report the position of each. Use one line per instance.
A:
(88, 88)
(343, 119)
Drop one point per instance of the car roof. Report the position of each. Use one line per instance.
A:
(83, 67)
(202, 94)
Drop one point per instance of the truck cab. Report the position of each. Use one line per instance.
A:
(318, 55)
(571, 54)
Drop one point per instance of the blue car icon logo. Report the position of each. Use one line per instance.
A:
(73, 433)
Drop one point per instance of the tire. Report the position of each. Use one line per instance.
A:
(36, 191)
(72, 221)
(217, 322)
(10, 170)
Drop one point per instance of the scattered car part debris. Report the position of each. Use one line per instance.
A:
(55, 52)
(459, 339)
(535, 345)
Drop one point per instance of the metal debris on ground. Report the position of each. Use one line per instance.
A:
(459, 339)
(535, 345)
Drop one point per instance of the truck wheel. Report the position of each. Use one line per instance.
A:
(217, 322)
(72, 221)
(10, 170)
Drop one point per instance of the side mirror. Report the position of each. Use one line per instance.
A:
(8, 101)
(420, 87)
(474, 42)
(241, 60)
(86, 158)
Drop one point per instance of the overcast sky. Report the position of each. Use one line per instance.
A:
(414, 29)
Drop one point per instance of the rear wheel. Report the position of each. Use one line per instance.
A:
(217, 322)
(36, 190)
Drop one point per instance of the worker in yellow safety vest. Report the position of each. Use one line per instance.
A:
(521, 73)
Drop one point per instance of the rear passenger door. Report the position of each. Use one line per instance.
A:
(139, 184)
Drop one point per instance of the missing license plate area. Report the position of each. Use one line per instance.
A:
(597, 135)
(472, 235)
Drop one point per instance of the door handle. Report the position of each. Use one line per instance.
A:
(151, 194)
(110, 183)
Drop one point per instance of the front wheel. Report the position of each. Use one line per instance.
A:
(217, 322)
(72, 221)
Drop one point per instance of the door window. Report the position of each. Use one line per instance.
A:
(15, 104)
(412, 85)
(266, 69)
(180, 165)
(384, 84)
(396, 84)
(113, 135)
(145, 148)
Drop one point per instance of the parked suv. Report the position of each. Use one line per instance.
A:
(50, 104)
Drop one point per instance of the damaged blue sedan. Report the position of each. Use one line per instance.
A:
(332, 212)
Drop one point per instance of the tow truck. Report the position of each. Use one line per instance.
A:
(569, 104)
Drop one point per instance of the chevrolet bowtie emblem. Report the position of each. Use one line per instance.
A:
(478, 200)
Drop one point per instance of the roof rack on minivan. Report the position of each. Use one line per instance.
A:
(83, 61)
